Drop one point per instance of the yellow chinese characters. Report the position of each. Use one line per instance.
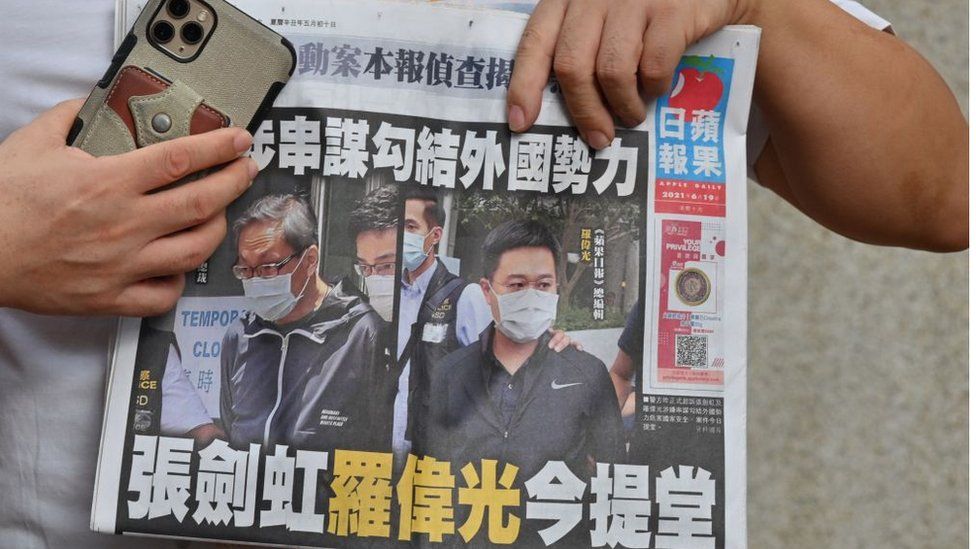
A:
(425, 495)
(363, 492)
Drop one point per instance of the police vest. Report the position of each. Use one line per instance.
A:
(151, 358)
(432, 337)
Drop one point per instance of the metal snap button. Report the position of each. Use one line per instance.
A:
(161, 123)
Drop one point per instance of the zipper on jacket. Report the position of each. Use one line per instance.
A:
(281, 375)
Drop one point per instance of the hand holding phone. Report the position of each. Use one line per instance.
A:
(111, 235)
(88, 235)
(186, 67)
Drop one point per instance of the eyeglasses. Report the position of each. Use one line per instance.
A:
(382, 269)
(268, 270)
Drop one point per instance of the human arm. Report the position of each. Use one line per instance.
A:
(183, 412)
(87, 235)
(865, 136)
(206, 433)
(473, 315)
(621, 373)
(630, 348)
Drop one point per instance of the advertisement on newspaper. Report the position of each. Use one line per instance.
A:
(426, 330)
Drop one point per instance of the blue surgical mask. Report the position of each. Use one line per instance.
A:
(413, 250)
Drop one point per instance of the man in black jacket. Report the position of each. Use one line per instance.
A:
(301, 368)
(508, 396)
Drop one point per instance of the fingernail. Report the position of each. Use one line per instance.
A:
(516, 118)
(597, 139)
(242, 142)
(252, 168)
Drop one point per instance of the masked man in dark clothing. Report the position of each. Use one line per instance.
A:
(508, 396)
(439, 312)
(301, 367)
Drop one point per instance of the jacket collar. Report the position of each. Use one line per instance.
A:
(478, 374)
(342, 306)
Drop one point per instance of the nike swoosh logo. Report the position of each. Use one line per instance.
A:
(562, 386)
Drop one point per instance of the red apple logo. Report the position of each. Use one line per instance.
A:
(698, 87)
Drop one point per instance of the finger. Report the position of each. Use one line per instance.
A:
(533, 64)
(150, 297)
(54, 124)
(181, 252)
(158, 165)
(574, 63)
(619, 57)
(664, 42)
(559, 340)
(196, 202)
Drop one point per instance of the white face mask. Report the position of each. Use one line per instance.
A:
(271, 298)
(525, 314)
(381, 289)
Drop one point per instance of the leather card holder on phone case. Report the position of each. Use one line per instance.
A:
(142, 109)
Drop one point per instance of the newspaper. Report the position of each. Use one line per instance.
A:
(366, 360)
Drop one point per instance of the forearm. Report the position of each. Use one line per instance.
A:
(620, 374)
(868, 139)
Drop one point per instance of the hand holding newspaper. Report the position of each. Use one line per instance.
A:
(369, 346)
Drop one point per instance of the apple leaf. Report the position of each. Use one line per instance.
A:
(703, 64)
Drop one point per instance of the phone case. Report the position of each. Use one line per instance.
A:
(147, 95)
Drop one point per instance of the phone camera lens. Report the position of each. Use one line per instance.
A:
(178, 8)
(163, 32)
(191, 32)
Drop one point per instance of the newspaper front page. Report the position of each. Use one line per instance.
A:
(426, 330)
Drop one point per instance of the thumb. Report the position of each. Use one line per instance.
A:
(56, 122)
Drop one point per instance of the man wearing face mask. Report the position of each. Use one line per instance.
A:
(439, 313)
(373, 225)
(508, 396)
(301, 367)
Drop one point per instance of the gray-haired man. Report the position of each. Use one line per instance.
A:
(298, 369)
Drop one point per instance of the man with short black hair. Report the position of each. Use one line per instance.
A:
(507, 396)
(373, 226)
(439, 312)
(320, 341)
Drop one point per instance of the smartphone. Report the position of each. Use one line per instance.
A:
(185, 67)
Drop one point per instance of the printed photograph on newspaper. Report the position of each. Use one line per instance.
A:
(423, 329)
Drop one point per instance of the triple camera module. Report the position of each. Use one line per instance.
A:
(180, 27)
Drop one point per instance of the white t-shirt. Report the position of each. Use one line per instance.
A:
(52, 369)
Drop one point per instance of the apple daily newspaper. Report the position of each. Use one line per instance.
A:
(426, 330)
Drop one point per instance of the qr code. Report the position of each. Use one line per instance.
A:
(692, 351)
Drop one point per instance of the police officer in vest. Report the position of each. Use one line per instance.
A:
(439, 311)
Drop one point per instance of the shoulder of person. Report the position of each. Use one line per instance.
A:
(472, 294)
(472, 289)
(237, 328)
(589, 366)
(466, 357)
(370, 323)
